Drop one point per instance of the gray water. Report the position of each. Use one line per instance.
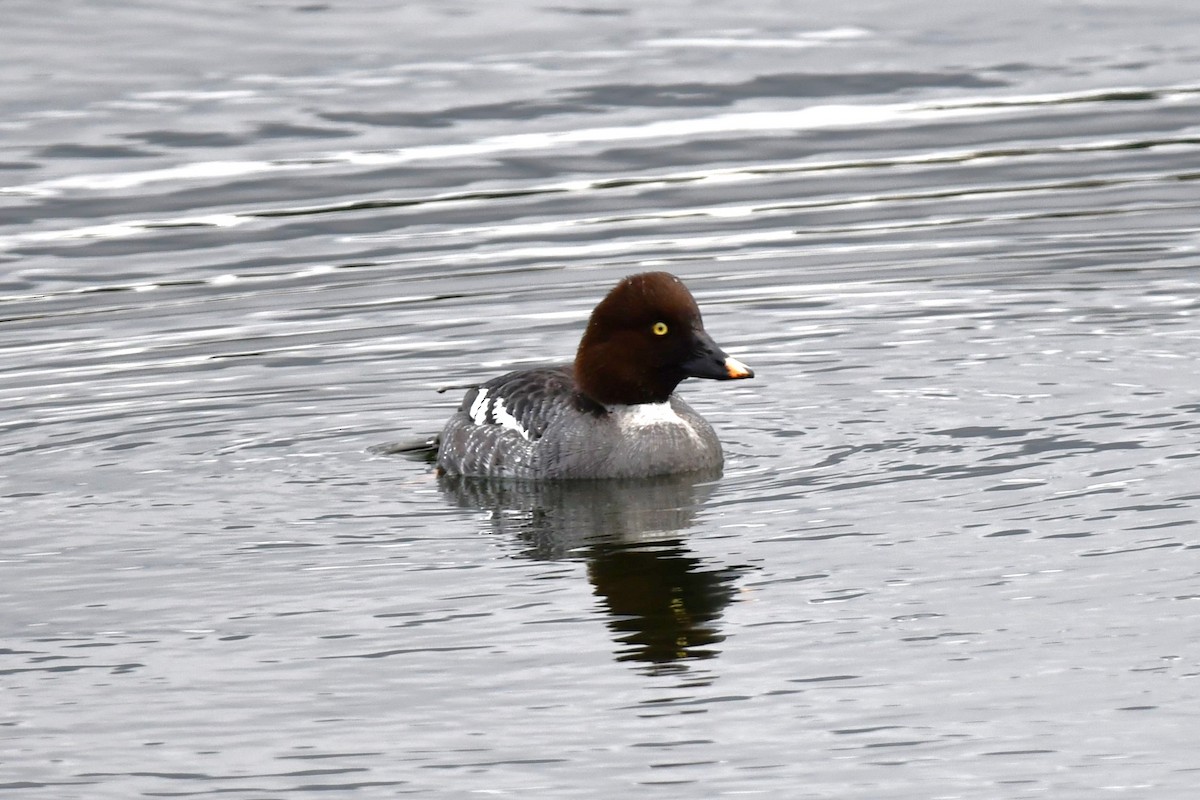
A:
(953, 552)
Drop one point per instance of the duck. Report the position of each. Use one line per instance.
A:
(613, 411)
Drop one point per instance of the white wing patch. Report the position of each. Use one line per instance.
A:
(479, 410)
(491, 411)
(507, 420)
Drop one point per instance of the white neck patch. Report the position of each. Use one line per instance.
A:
(645, 415)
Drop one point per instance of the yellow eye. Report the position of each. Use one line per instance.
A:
(660, 328)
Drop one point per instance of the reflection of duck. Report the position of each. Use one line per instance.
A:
(664, 603)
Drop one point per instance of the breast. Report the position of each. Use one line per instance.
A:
(641, 441)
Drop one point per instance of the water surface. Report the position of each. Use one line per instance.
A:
(953, 552)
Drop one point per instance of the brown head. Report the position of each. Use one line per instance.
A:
(644, 338)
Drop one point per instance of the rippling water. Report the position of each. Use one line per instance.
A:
(953, 552)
